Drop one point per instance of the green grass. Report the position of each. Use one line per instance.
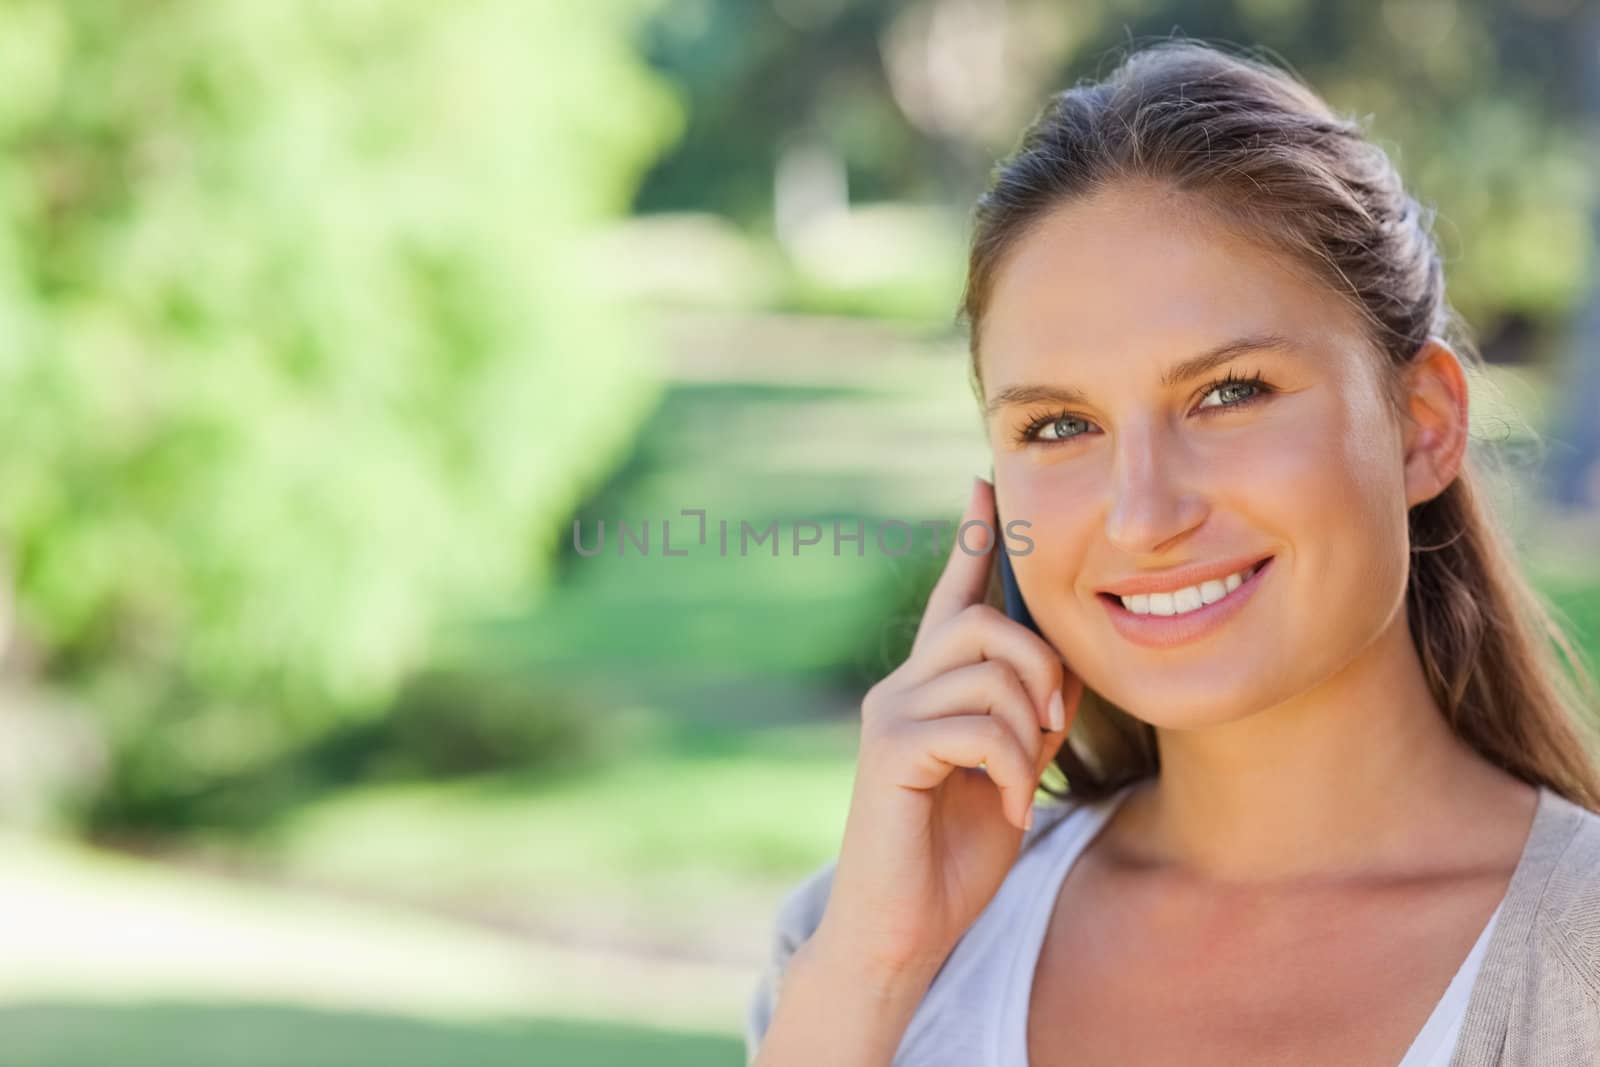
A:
(113, 959)
(55, 1034)
(668, 844)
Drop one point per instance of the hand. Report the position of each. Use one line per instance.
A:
(953, 743)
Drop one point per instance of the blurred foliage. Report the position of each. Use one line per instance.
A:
(590, 833)
(444, 723)
(295, 354)
(310, 344)
(1481, 102)
(447, 723)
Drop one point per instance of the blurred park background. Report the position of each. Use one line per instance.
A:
(320, 324)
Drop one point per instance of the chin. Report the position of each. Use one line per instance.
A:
(1192, 709)
(1198, 718)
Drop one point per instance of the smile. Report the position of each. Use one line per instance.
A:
(1164, 619)
(1190, 597)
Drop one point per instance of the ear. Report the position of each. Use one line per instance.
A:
(1434, 432)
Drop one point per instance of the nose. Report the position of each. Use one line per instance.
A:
(1153, 504)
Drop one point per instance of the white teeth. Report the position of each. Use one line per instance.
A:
(1189, 598)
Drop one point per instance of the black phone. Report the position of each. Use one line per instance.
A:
(1016, 608)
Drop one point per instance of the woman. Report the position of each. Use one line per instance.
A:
(1330, 797)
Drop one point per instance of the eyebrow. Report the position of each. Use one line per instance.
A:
(1177, 374)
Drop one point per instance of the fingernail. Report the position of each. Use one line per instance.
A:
(1058, 711)
(1027, 820)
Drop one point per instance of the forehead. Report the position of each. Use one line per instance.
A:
(1143, 275)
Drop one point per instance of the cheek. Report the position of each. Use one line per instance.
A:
(1328, 477)
(1049, 497)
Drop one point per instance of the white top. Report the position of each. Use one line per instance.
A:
(976, 1010)
(1436, 1041)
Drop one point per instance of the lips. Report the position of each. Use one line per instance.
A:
(1165, 631)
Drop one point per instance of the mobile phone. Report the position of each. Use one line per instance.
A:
(1016, 608)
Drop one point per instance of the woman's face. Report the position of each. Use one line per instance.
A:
(1136, 478)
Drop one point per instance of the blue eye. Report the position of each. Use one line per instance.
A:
(1234, 383)
(1246, 390)
(1057, 424)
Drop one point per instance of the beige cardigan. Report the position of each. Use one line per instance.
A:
(1536, 1001)
(1537, 998)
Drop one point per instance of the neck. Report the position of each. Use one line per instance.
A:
(1359, 776)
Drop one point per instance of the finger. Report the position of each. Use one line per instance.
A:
(1071, 698)
(979, 633)
(991, 688)
(966, 573)
(933, 748)
(1049, 746)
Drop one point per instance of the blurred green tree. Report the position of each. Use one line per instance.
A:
(1481, 101)
(298, 349)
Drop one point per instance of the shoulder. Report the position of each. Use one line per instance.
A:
(797, 917)
(1568, 912)
(1537, 998)
(800, 911)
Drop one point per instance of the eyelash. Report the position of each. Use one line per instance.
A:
(1263, 390)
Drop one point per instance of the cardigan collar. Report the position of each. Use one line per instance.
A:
(1495, 993)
